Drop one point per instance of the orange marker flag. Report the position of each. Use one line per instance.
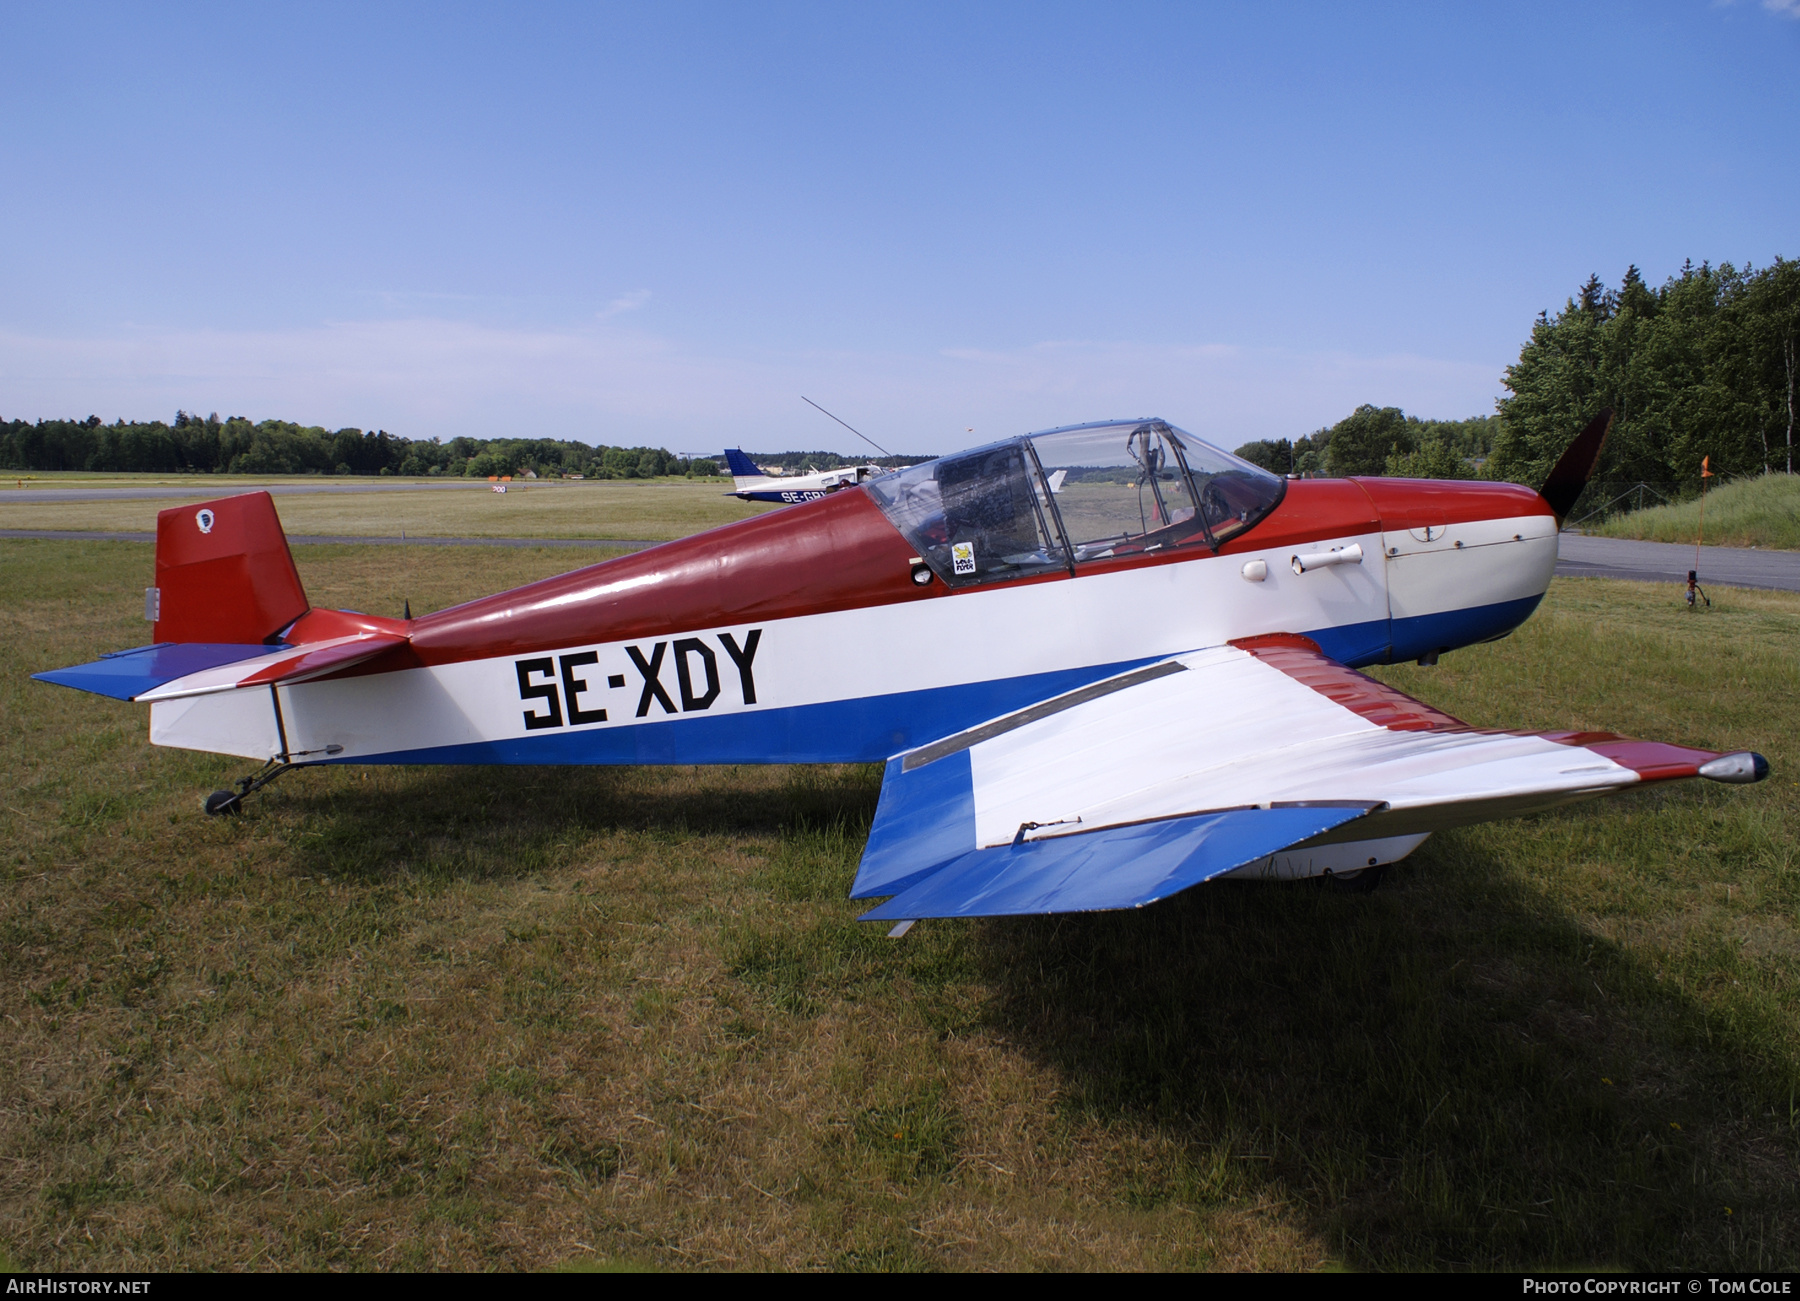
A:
(1704, 472)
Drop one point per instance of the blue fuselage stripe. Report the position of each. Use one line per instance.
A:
(1426, 634)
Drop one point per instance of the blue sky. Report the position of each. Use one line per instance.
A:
(663, 223)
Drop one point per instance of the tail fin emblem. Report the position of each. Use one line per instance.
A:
(205, 520)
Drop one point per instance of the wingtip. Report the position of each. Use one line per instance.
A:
(1741, 768)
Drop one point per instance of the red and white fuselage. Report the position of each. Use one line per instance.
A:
(800, 636)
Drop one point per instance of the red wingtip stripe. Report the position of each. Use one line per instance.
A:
(1302, 660)
(1652, 761)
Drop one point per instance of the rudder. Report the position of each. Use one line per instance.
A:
(741, 466)
(224, 573)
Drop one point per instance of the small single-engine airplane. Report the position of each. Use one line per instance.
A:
(749, 482)
(1086, 696)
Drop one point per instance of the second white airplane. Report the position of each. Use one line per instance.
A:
(751, 484)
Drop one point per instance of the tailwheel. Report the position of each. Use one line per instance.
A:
(232, 801)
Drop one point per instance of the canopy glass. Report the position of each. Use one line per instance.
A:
(1069, 497)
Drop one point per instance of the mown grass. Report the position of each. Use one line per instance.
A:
(540, 1017)
(1760, 512)
(656, 510)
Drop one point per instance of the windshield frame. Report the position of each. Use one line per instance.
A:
(1215, 464)
(1052, 527)
(1046, 497)
(1150, 453)
(1184, 442)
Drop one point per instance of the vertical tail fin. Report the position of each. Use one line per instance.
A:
(743, 469)
(224, 573)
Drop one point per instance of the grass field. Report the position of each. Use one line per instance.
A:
(521, 1018)
(1763, 512)
(656, 510)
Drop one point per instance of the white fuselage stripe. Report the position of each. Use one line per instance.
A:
(994, 633)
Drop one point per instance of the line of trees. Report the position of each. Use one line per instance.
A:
(1704, 366)
(1382, 440)
(192, 445)
(1707, 365)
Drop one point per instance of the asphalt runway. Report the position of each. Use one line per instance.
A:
(350, 539)
(200, 491)
(1578, 556)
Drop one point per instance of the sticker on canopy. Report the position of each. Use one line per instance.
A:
(205, 520)
(962, 557)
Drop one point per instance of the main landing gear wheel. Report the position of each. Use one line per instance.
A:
(220, 803)
(1362, 881)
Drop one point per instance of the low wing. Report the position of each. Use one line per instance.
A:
(1134, 788)
(174, 670)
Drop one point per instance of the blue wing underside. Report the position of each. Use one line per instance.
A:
(1111, 868)
(921, 851)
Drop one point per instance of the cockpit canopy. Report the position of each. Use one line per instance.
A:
(1067, 497)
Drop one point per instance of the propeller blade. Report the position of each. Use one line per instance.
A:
(1576, 466)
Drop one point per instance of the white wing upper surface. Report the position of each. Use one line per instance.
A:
(1237, 735)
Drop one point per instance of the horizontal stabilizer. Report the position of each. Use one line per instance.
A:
(128, 674)
(1118, 867)
(289, 664)
(173, 670)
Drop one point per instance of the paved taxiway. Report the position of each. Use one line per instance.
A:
(1578, 556)
(349, 539)
(1668, 562)
(201, 492)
